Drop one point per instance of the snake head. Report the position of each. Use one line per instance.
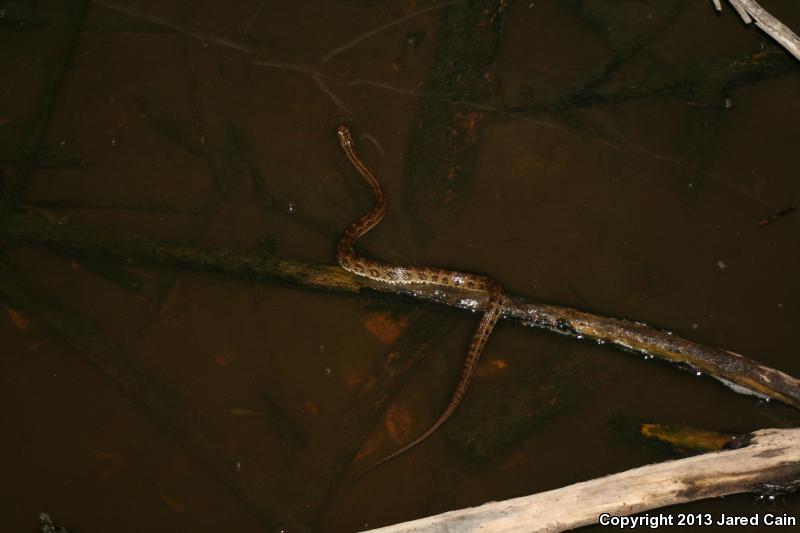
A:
(345, 139)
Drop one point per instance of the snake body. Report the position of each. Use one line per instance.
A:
(402, 275)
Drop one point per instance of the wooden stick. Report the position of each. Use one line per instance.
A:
(731, 368)
(771, 457)
(750, 10)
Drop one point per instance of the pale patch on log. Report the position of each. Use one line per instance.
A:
(772, 456)
(749, 10)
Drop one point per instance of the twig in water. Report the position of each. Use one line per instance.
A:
(775, 216)
(338, 50)
(726, 104)
(226, 42)
(553, 126)
(180, 28)
(506, 113)
(374, 141)
(335, 99)
(253, 17)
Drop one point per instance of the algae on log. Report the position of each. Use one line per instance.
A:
(631, 336)
(442, 149)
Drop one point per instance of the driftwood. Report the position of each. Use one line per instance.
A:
(745, 374)
(772, 457)
(750, 11)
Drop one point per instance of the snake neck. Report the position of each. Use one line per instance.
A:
(345, 255)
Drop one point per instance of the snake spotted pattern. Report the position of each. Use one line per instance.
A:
(402, 275)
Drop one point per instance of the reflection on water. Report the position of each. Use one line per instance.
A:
(577, 152)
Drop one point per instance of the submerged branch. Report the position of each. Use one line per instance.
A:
(722, 364)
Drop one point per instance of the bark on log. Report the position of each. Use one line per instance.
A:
(749, 10)
(771, 457)
(729, 367)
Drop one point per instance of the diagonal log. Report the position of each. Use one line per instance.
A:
(624, 334)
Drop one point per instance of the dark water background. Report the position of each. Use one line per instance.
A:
(156, 119)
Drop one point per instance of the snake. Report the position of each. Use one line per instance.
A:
(413, 275)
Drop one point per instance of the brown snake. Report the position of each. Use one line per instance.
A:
(401, 275)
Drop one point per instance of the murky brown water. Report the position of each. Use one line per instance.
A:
(212, 123)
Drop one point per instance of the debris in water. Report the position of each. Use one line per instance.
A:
(687, 438)
(775, 216)
(47, 525)
(19, 320)
(735, 387)
(385, 327)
